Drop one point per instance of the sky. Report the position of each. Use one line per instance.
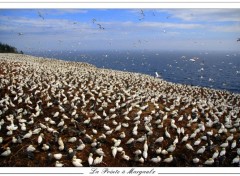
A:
(120, 29)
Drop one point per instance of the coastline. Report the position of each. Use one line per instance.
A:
(44, 91)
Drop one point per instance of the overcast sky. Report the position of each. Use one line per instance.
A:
(153, 29)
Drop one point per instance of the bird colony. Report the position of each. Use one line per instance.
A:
(59, 113)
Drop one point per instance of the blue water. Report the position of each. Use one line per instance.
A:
(219, 70)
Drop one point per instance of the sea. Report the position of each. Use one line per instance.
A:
(212, 69)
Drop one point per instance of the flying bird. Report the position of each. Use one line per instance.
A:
(238, 40)
(100, 26)
(94, 20)
(157, 75)
(20, 33)
(40, 15)
(142, 13)
(168, 16)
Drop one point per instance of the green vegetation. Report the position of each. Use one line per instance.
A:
(5, 48)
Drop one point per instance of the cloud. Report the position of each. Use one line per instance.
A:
(170, 25)
(220, 15)
(151, 25)
(27, 25)
(228, 29)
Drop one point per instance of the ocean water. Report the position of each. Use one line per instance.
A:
(218, 70)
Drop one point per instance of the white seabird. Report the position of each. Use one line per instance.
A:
(7, 152)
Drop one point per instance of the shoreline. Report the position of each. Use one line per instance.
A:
(229, 89)
(104, 109)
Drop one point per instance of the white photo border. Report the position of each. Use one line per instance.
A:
(108, 4)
